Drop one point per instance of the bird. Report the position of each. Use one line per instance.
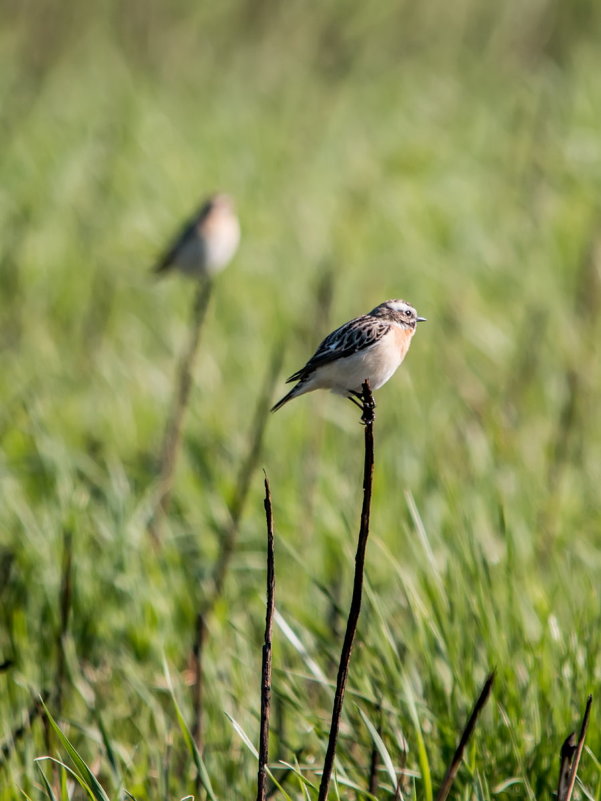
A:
(367, 348)
(207, 241)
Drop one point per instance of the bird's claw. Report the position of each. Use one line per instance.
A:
(368, 405)
(368, 414)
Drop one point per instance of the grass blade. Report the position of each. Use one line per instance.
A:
(243, 736)
(383, 751)
(191, 745)
(83, 771)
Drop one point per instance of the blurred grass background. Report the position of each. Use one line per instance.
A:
(445, 153)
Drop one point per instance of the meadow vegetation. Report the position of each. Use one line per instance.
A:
(447, 153)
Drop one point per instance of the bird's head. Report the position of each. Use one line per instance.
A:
(398, 311)
(222, 202)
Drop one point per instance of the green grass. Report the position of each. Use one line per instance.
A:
(449, 155)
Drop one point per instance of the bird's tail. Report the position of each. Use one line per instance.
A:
(288, 397)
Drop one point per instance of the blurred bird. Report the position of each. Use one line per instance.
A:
(370, 347)
(207, 241)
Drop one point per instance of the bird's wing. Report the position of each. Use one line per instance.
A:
(356, 335)
(188, 229)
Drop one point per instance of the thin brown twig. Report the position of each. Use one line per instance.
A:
(579, 749)
(353, 618)
(65, 595)
(398, 790)
(197, 685)
(465, 736)
(266, 655)
(374, 761)
(374, 764)
(565, 763)
(173, 430)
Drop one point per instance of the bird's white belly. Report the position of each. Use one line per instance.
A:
(376, 364)
(220, 245)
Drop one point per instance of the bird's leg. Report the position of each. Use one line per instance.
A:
(368, 404)
(354, 397)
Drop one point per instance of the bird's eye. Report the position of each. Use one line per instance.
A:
(407, 312)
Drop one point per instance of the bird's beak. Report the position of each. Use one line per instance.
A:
(421, 319)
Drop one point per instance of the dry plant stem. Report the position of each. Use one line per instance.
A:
(173, 430)
(374, 761)
(579, 749)
(197, 687)
(568, 750)
(266, 661)
(373, 771)
(398, 790)
(353, 618)
(465, 736)
(65, 608)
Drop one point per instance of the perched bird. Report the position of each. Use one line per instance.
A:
(207, 241)
(370, 347)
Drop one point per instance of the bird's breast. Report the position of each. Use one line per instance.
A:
(221, 235)
(401, 339)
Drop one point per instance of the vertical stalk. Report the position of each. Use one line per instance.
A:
(353, 618)
(65, 607)
(172, 438)
(463, 740)
(266, 661)
(197, 687)
(578, 750)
